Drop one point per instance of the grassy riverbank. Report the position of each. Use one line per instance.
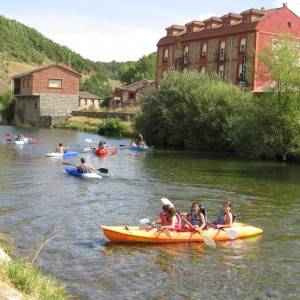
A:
(30, 281)
(92, 125)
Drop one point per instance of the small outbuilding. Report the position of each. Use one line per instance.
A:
(45, 95)
(88, 100)
(130, 95)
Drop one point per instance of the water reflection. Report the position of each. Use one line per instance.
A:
(36, 196)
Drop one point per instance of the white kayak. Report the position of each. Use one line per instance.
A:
(67, 153)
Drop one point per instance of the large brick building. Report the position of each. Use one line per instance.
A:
(44, 94)
(227, 45)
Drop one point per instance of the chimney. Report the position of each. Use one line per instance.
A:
(284, 4)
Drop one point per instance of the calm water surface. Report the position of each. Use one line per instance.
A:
(38, 199)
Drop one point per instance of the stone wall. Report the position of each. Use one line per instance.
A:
(57, 105)
(27, 110)
(104, 115)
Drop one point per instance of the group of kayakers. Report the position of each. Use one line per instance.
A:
(139, 142)
(196, 219)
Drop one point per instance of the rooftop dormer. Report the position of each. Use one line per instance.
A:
(175, 30)
(252, 15)
(231, 19)
(194, 26)
(213, 22)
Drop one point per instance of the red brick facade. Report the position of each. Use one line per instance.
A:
(38, 81)
(228, 46)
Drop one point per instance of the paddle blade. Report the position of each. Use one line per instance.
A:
(144, 221)
(166, 201)
(167, 232)
(89, 141)
(232, 234)
(103, 170)
(209, 241)
(86, 150)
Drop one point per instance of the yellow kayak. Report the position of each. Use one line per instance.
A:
(130, 234)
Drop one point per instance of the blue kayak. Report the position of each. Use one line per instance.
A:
(65, 154)
(141, 149)
(74, 172)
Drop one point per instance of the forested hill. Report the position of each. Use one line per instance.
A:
(22, 44)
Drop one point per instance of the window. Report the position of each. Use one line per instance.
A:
(190, 29)
(186, 54)
(204, 50)
(24, 83)
(208, 26)
(226, 23)
(35, 105)
(242, 72)
(289, 24)
(222, 50)
(246, 20)
(243, 42)
(166, 55)
(203, 70)
(221, 71)
(55, 83)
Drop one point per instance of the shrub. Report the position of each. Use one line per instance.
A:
(115, 127)
(191, 110)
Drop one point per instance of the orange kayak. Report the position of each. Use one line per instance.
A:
(102, 151)
(130, 234)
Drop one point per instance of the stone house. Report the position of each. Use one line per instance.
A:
(87, 100)
(130, 95)
(45, 95)
(228, 46)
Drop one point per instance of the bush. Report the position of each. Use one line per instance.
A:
(8, 106)
(115, 127)
(191, 110)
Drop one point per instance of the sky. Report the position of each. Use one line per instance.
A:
(121, 30)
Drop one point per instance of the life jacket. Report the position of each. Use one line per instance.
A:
(195, 219)
(178, 221)
(164, 219)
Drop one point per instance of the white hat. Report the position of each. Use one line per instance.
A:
(166, 201)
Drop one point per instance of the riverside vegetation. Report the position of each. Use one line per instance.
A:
(202, 112)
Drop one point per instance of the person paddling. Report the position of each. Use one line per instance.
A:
(169, 218)
(61, 149)
(83, 167)
(225, 220)
(196, 217)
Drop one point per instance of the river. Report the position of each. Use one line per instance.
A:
(38, 199)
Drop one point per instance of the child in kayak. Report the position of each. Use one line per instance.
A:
(173, 220)
(83, 167)
(196, 217)
(61, 149)
(225, 220)
(163, 216)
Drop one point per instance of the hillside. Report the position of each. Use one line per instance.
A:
(23, 48)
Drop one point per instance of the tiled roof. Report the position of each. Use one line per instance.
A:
(177, 27)
(136, 85)
(46, 67)
(221, 31)
(88, 95)
(232, 16)
(213, 19)
(195, 22)
(253, 11)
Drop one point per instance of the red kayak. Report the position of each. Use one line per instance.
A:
(102, 151)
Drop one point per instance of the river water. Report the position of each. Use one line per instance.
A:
(38, 200)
